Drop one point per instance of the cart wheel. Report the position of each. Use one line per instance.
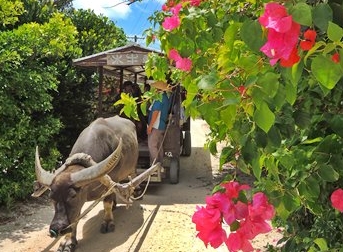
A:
(174, 171)
(187, 144)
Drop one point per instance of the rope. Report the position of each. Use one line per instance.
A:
(144, 191)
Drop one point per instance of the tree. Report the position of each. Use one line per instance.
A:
(78, 87)
(272, 91)
(26, 101)
(42, 96)
(10, 10)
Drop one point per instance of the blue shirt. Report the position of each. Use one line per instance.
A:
(163, 107)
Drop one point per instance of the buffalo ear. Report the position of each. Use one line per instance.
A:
(38, 189)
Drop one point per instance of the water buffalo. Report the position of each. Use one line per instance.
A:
(106, 146)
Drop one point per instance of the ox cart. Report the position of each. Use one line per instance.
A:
(102, 163)
(127, 63)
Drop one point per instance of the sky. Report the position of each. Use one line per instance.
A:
(132, 18)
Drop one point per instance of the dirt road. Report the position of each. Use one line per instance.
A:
(159, 222)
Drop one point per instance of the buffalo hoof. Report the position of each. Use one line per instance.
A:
(66, 248)
(107, 227)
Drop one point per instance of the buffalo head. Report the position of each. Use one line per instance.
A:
(68, 185)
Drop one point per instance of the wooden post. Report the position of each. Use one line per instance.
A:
(121, 79)
(101, 78)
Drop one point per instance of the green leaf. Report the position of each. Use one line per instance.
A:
(225, 155)
(208, 82)
(302, 14)
(291, 92)
(328, 173)
(269, 83)
(274, 136)
(326, 71)
(212, 146)
(302, 119)
(321, 242)
(217, 34)
(335, 33)
(290, 201)
(251, 33)
(322, 14)
(261, 138)
(282, 211)
(336, 124)
(256, 168)
(271, 166)
(241, 165)
(143, 107)
(234, 226)
(264, 117)
(230, 35)
(313, 188)
(228, 114)
(249, 150)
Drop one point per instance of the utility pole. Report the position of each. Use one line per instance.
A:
(135, 38)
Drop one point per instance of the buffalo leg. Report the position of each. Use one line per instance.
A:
(108, 223)
(69, 243)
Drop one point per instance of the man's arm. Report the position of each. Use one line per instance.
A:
(153, 120)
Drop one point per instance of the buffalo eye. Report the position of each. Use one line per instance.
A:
(73, 193)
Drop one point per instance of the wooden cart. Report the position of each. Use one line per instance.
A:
(127, 63)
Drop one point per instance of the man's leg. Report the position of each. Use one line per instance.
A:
(154, 142)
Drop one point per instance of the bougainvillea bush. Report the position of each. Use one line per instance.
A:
(267, 78)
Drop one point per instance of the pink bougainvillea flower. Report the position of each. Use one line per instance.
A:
(283, 33)
(233, 188)
(238, 242)
(165, 7)
(208, 224)
(206, 218)
(276, 18)
(237, 211)
(176, 9)
(260, 207)
(281, 45)
(335, 58)
(229, 210)
(195, 2)
(253, 227)
(310, 40)
(170, 23)
(174, 55)
(337, 199)
(247, 220)
(220, 201)
(214, 237)
(184, 64)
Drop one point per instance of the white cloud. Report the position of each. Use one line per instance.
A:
(108, 8)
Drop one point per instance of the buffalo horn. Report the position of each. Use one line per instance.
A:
(43, 177)
(98, 170)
